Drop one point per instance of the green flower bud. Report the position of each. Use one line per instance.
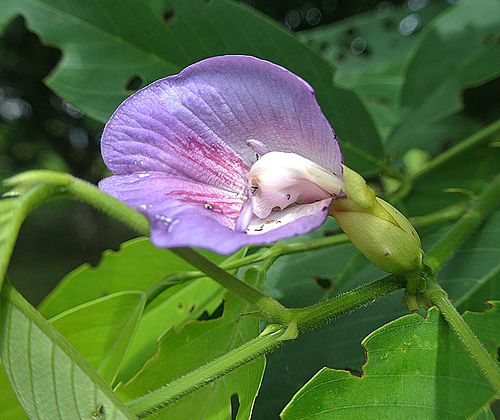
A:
(376, 228)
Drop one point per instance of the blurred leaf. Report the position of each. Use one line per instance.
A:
(50, 378)
(460, 49)
(105, 48)
(369, 52)
(196, 344)
(415, 368)
(13, 211)
(454, 181)
(136, 266)
(102, 330)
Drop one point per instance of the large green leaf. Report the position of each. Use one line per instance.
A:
(136, 266)
(100, 331)
(460, 49)
(50, 379)
(197, 343)
(416, 368)
(369, 52)
(105, 47)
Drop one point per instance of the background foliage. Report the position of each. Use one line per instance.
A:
(402, 83)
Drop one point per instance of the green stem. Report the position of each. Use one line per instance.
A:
(86, 192)
(470, 143)
(478, 138)
(303, 319)
(268, 307)
(287, 248)
(481, 207)
(323, 312)
(484, 360)
(208, 373)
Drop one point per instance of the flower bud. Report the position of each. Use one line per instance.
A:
(376, 228)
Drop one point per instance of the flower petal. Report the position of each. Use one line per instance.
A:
(197, 123)
(181, 219)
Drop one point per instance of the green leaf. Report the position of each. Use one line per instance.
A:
(105, 47)
(460, 49)
(374, 72)
(10, 409)
(50, 378)
(136, 266)
(416, 368)
(101, 330)
(197, 343)
(179, 305)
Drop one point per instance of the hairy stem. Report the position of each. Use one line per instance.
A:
(484, 360)
(481, 207)
(323, 312)
(210, 372)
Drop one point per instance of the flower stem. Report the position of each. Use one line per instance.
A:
(484, 360)
(268, 307)
(481, 207)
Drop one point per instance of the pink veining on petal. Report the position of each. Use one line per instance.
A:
(220, 162)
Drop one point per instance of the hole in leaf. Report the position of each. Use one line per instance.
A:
(323, 282)
(355, 371)
(205, 316)
(168, 15)
(235, 406)
(134, 83)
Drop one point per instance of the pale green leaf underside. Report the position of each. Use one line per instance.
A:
(50, 379)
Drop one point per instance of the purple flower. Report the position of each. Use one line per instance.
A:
(232, 151)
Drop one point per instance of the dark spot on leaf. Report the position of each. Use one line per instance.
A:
(235, 406)
(98, 413)
(380, 100)
(324, 208)
(168, 16)
(191, 309)
(388, 24)
(323, 46)
(134, 83)
(205, 316)
(179, 306)
(351, 31)
(323, 282)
